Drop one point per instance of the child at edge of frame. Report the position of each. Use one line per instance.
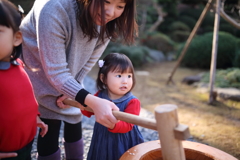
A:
(19, 114)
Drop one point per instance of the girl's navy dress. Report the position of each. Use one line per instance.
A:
(106, 145)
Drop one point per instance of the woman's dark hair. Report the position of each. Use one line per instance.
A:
(115, 62)
(11, 18)
(124, 26)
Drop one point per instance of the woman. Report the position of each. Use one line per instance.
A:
(63, 39)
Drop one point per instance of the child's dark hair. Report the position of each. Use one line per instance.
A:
(115, 62)
(124, 26)
(11, 18)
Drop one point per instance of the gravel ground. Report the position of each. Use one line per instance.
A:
(87, 125)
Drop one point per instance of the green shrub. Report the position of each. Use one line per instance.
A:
(223, 21)
(164, 26)
(139, 55)
(237, 34)
(199, 52)
(191, 12)
(207, 29)
(225, 78)
(236, 61)
(179, 26)
(158, 41)
(227, 28)
(208, 24)
(180, 36)
(208, 20)
(195, 13)
(189, 21)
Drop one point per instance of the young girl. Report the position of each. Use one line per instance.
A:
(63, 39)
(18, 106)
(115, 82)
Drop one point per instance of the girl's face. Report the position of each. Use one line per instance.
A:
(8, 40)
(113, 10)
(118, 84)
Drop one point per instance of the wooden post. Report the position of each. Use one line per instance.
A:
(214, 52)
(167, 121)
(192, 34)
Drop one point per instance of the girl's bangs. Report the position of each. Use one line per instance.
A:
(121, 68)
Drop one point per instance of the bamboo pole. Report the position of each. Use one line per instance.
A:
(214, 52)
(192, 34)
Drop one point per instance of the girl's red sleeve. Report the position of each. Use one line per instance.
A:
(87, 113)
(133, 107)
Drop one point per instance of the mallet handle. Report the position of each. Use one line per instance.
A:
(126, 117)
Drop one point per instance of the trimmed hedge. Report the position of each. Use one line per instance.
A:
(199, 52)
(139, 55)
(189, 21)
(158, 41)
(180, 36)
(179, 26)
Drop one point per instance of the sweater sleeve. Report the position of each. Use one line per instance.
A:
(133, 107)
(52, 28)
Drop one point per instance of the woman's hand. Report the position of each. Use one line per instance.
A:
(7, 155)
(65, 102)
(102, 109)
(43, 126)
(60, 103)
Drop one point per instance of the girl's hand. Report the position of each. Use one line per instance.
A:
(102, 109)
(7, 155)
(60, 103)
(43, 126)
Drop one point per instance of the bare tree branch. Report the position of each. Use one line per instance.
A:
(144, 20)
(228, 18)
(161, 14)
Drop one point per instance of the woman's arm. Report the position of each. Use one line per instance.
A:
(53, 33)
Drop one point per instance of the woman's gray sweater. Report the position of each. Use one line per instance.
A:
(58, 54)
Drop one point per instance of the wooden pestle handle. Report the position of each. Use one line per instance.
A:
(126, 117)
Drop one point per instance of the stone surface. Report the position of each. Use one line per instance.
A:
(157, 56)
(191, 79)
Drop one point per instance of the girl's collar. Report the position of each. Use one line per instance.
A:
(6, 65)
(123, 98)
